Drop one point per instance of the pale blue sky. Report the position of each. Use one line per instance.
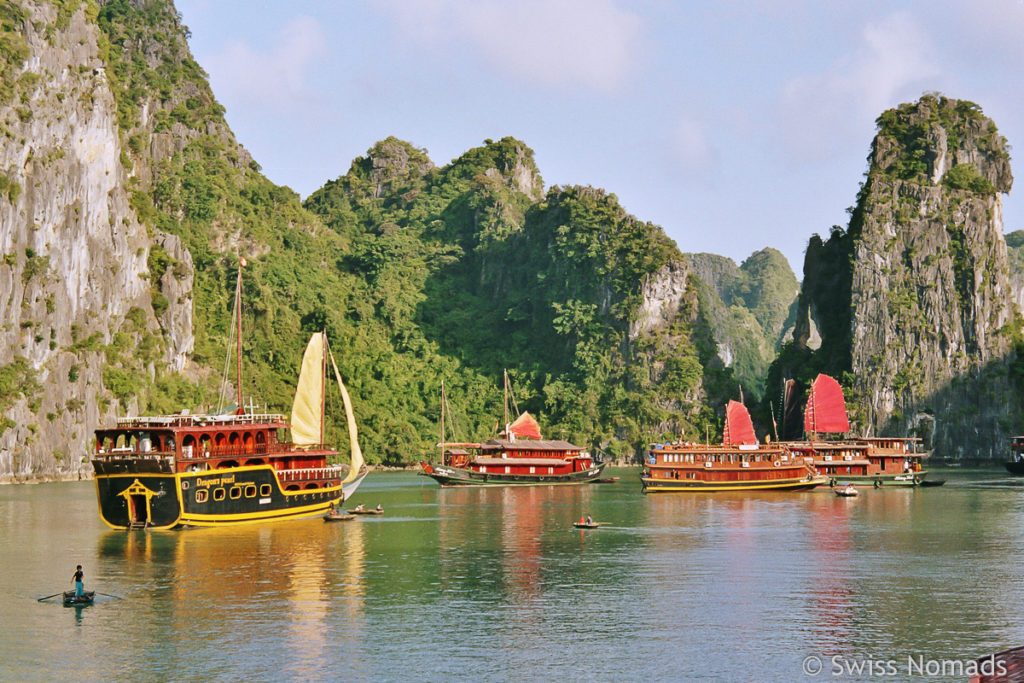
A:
(733, 125)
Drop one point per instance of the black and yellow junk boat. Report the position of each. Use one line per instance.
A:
(216, 470)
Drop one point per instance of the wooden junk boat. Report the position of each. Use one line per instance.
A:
(739, 464)
(863, 461)
(216, 470)
(521, 457)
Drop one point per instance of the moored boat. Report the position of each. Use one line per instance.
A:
(739, 464)
(861, 461)
(520, 457)
(223, 469)
(338, 517)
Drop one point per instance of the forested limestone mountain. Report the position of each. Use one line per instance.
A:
(751, 309)
(913, 300)
(126, 204)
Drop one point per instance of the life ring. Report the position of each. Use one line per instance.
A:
(878, 484)
(775, 464)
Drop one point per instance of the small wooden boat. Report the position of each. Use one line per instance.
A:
(606, 480)
(338, 517)
(364, 511)
(931, 482)
(846, 490)
(71, 600)
(586, 525)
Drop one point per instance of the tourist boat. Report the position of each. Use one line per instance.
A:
(739, 464)
(520, 457)
(861, 461)
(224, 469)
(72, 600)
(1016, 466)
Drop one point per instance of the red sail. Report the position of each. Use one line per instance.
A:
(738, 427)
(826, 408)
(525, 427)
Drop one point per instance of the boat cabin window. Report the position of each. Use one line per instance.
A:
(202, 495)
(236, 492)
(264, 490)
(250, 490)
(218, 493)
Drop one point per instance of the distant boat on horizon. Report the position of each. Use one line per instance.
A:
(521, 457)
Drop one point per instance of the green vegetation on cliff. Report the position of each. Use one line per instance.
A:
(417, 273)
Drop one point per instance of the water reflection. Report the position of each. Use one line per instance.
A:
(303, 576)
(724, 587)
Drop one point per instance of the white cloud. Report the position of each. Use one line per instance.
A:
(893, 62)
(274, 77)
(592, 43)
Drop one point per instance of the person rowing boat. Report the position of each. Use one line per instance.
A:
(77, 580)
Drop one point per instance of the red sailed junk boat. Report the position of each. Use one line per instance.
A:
(739, 464)
(871, 461)
(521, 457)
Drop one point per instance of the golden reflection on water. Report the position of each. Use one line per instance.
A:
(313, 571)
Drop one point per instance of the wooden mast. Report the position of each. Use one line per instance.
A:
(443, 401)
(323, 386)
(238, 336)
(505, 372)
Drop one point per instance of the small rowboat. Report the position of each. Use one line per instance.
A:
(70, 600)
(931, 482)
(337, 517)
(846, 490)
(586, 525)
(371, 511)
(606, 480)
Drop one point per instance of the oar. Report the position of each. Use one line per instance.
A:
(116, 597)
(49, 596)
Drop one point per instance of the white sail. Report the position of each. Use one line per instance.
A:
(353, 434)
(307, 406)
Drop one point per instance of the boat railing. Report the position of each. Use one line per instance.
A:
(217, 452)
(310, 473)
(198, 420)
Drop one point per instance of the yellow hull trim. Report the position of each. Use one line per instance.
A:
(229, 519)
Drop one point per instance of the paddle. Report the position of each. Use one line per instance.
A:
(49, 596)
(116, 597)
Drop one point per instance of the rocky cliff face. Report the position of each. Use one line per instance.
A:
(76, 267)
(914, 299)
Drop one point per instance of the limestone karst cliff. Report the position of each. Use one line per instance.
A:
(913, 300)
(76, 287)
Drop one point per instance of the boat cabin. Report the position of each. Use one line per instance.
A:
(198, 443)
(710, 463)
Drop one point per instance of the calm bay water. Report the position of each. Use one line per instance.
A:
(495, 584)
